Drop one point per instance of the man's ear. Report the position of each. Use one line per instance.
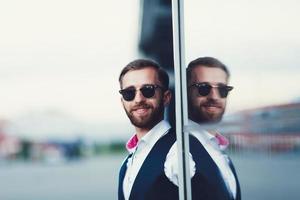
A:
(167, 97)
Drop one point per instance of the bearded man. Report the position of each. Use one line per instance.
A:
(145, 93)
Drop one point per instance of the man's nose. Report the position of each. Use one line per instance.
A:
(214, 93)
(139, 97)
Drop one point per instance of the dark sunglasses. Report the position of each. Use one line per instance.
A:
(205, 88)
(147, 91)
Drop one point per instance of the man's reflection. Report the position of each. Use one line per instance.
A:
(214, 175)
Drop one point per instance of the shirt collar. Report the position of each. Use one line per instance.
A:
(150, 137)
(207, 137)
(195, 127)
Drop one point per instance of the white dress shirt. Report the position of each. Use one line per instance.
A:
(139, 154)
(213, 149)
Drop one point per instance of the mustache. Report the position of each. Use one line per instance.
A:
(212, 103)
(140, 106)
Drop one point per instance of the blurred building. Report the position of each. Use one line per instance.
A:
(273, 128)
(156, 40)
(9, 145)
(156, 35)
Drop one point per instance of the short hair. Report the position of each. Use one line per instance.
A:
(207, 62)
(138, 64)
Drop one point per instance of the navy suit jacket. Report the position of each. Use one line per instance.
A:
(151, 182)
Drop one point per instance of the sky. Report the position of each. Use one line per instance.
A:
(258, 40)
(65, 56)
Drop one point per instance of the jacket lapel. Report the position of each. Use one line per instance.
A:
(121, 178)
(238, 191)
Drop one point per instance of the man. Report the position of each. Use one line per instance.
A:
(215, 177)
(145, 94)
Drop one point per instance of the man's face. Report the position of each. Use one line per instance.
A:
(144, 112)
(210, 108)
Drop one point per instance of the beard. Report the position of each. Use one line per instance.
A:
(154, 116)
(210, 111)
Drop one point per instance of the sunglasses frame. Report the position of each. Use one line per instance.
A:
(133, 89)
(219, 87)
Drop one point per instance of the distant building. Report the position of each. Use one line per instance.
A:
(274, 128)
(9, 145)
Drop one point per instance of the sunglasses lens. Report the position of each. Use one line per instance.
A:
(204, 89)
(224, 90)
(128, 94)
(148, 91)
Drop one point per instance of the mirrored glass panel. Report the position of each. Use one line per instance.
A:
(258, 41)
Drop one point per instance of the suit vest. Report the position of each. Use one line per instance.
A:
(208, 183)
(151, 182)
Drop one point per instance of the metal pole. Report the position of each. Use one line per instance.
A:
(181, 100)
